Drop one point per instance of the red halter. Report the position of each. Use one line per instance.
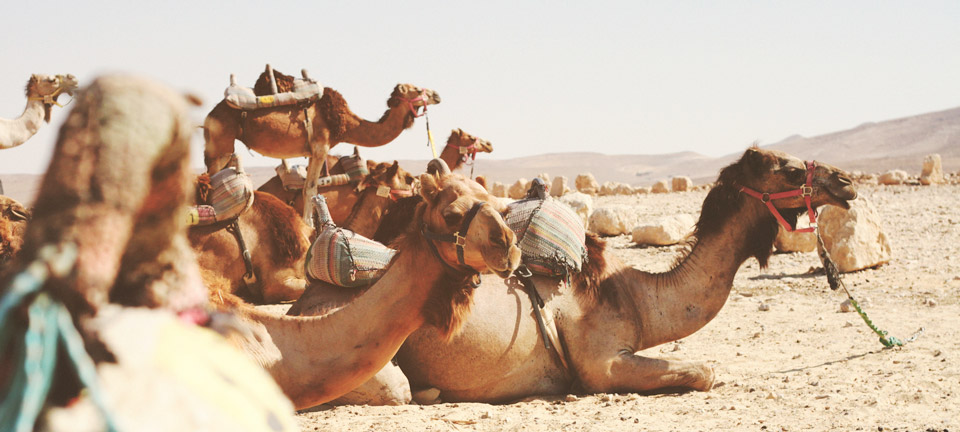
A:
(394, 194)
(413, 109)
(467, 152)
(806, 191)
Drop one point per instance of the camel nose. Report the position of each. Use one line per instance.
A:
(436, 97)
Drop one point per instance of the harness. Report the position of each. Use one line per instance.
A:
(249, 278)
(806, 191)
(468, 153)
(459, 240)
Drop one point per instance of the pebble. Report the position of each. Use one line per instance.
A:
(930, 302)
(571, 398)
(763, 307)
(846, 306)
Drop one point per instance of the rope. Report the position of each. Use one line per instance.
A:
(36, 348)
(433, 147)
(833, 278)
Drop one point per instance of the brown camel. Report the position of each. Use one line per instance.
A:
(462, 147)
(294, 197)
(280, 132)
(13, 223)
(612, 310)
(315, 359)
(115, 194)
(42, 94)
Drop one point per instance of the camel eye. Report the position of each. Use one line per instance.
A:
(452, 218)
(795, 175)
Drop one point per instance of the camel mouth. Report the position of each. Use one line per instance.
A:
(841, 191)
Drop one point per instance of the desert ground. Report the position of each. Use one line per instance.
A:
(797, 363)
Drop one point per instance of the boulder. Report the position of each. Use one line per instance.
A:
(893, 177)
(682, 184)
(499, 190)
(932, 173)
(587, 184)
(623, 189)
(641, 190)
(559, 186)
(519, 189)
(608, 188)
(545, 177)
(660, 187)
(581, 204)
(854, 237)
(666, 231)
(612, 221)
(795, 241)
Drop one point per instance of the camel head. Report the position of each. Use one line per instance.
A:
(48, 88)
(459, 138)
(412, 97)
(762, 176)
(13, 223)
(488, 243)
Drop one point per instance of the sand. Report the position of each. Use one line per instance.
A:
(799, 364)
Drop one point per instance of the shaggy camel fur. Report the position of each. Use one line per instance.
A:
(612, 311)
(13, 223)
(116, 190)
(280, 132)
(462, 147)
(42, 94)
(315, 359)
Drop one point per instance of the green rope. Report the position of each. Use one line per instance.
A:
(833, 278)
(37, 347)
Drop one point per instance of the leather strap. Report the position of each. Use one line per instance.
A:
(806, 191)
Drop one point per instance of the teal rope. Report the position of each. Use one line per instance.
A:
(36, 349)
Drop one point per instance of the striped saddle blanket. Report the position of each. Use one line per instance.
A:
(550, 235)
(231, 194)
(342, 257)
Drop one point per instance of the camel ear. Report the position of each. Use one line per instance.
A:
(403, 88)
(754, 161)
(392, 171)
(482, 181)
(429, 187)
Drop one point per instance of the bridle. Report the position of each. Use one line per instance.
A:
(459, 240)
(467, 152)
(413, 109)
(806, 191)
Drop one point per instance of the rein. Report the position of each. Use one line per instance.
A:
(457, 239)
(806, 191)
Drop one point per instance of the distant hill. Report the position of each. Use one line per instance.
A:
(870, 147)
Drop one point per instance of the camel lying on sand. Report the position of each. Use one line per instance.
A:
(316, 359)
(42, 94)
(279, 132)
(13, 223)
(611, 311)
(115, 194)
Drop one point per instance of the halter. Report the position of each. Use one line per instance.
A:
(385, 191)
(413, 109)
(806, 191)
(457, 239)
(467, 151)
(49, 99)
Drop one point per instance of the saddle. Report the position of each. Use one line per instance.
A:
(549, 233)
(231, 193)
(344, 258)
(245, 98)
(354, 170)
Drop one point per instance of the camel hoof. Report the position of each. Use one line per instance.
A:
(706, 381)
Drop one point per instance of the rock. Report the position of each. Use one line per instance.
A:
(428, 396)
(623, 189)
(499, 190)
(763, 307)
(608, 188)
(612, 221)
(930, 302)
(682, 184)
(571, 398)
(932, 173)
(641, 190)
(559, 186)
(545, 177)
(795, 242)
(666, 231)
(660, 187)
(519, 189)
(587, 184)
(893, 177)
(847, 306)
(581, 204)
(854, 238)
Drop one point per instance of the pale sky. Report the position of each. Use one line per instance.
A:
(626, 77)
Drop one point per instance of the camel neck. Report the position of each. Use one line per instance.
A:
(451, 155)
(316, 359)
(677, 303)
(22, 128)
(374, 134)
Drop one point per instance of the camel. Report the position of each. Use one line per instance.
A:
(109, 232)
(279, 132)
(13, 222)
(429, 281)
(461, 147)
(42, 94)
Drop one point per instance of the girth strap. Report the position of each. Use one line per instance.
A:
(525, 276)
(249, 278)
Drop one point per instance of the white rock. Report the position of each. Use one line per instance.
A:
(795, 241)
(623, 189)
(581, 203)
(499, 190)
(846, 306)
(587, 184)
(641, 190)
(608, 188)
(611, 221)
(932, 170)
(894, 177)
(559, 186)
(682, 184)
(519, 189)
(660, 187)
(854, 238)
(666, 231)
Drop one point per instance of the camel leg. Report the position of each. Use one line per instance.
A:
(629, 372)
(310, 187)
